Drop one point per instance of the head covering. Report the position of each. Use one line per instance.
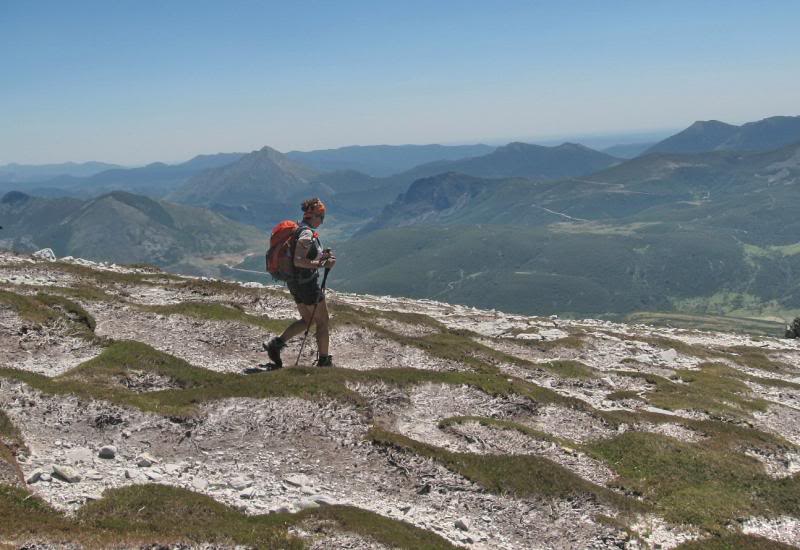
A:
(313, 207)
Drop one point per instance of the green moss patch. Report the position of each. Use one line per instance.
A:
(755, 358)
(115, 277)
(213, 311)
(519, 475)
(24, 516)
(158, 514)
(695, 484)
(745, 355)
(569, 369)
(9, 433)
(10, 441)
(720, 435)
(393, 533)
(45, 309)
(85, 293)
(29, 308)
(713, 388)
(216, 287)
(623, 395)
(72, 310)
(734, 541)
(100, 377)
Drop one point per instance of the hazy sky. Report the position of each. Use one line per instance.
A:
(138, 81)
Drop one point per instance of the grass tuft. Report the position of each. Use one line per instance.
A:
(218, 312)
(72, 310)
(171, 513)
(755, 358)
(9, 433)
(693, 483)
(622, 395)
(392, 533)
(46, 309)
(567, 368)
(734, 541)
(519, 475)
(713, 388)
(143, 515)
(100, 377)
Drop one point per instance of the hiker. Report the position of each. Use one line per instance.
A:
(305, 286)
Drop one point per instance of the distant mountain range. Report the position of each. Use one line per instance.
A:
(654, 188)
(123, 228)
(705, 233)
(155, 180)
(713, 135)
(524, 160)
(266, 185)
(705, 221)
(521, 160)
(36, 172)
(384, 160)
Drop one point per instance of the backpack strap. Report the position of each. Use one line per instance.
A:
(299, 278)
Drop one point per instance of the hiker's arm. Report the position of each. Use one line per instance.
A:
(301, 256)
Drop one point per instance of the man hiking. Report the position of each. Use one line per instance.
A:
(305, 287)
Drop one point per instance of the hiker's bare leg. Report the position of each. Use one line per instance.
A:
(321, 319)
(299, 326)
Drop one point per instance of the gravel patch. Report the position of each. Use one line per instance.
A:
(780, 420)
(657, 533)
(44, 349)
(428, 404)
(290, 454)
(143, 382)
(361, 349)
(776, 465)
(35, 275)
(676, 431)
(565, 423)
(405, 329)
(787, 397)
(222, 346)
(785, 529)
(383, 398)
(279, 454)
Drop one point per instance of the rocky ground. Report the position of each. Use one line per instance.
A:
(288, 453)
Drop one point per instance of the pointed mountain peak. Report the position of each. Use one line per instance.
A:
(705, 125)
(268, 151)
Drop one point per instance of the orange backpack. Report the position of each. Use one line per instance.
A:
(280, 256)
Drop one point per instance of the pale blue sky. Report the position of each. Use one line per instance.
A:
(139, 81)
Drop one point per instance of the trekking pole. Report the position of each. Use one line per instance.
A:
(313, 312)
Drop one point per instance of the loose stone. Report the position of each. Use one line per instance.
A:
(109, 451)
(66, 473)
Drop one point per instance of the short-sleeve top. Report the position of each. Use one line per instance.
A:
(306, 234)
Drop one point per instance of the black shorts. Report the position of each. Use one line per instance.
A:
(306, 292)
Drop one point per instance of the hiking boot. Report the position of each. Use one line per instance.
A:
(325, 361)
(273, 349)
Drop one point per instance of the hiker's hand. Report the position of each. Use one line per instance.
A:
(329, 262)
